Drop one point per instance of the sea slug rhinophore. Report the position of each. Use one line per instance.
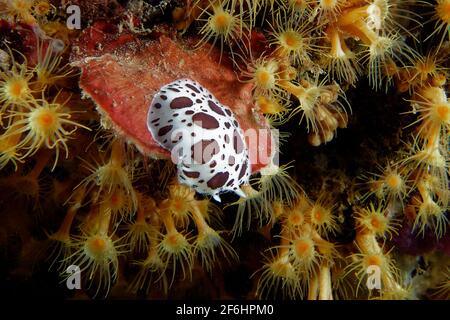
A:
(203, 136)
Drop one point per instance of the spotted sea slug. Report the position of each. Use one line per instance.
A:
(125, 74)
(203, 136)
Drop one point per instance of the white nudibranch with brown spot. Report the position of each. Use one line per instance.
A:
(203, 136)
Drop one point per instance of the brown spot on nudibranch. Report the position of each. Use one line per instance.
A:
(164, 130)
(218, 180)
(181, 102)
(193, 88)
(230, 182)
(193, 174)
(214, 107)
(205, 121)
(243, 169)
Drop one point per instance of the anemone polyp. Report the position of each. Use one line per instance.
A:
(264, 74)
(298, 5)
(15, 87)
(292, 40)
(278, 273)
(97, 256)
(222, 24)
(303, 254)
(322, 217)
(45, 125)
(329, 8)
(98, 246)
(42, 8)
(442, 18)
(374, 220)
(18, 9)
(203, 136)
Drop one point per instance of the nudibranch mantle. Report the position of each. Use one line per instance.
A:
(205, 139)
